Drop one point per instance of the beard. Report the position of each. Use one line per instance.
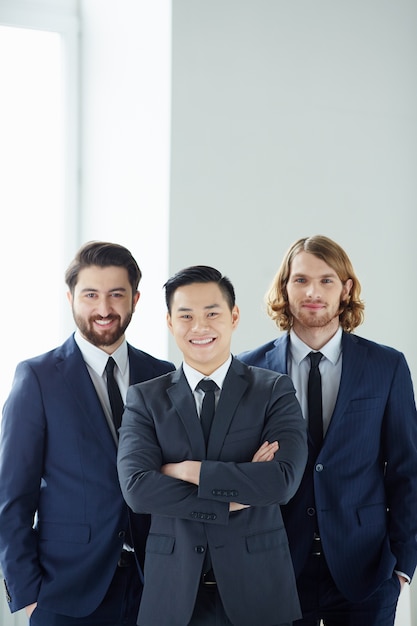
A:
(105, 337)
(309, 320)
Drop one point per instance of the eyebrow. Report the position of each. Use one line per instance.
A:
(327, 275)
(89, 289)
(206, 308)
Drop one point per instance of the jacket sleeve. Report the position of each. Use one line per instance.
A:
(400, 442)
(139, 460)
(265, 483)
(21, 453)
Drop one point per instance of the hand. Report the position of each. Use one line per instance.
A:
(403, 581)
(30, 608)
(235, 506)
(188, 471)
(266, 452)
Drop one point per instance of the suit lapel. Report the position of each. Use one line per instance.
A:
(276, 358)
(353, 364)
(184, 404)
(77, 379)
(234, 386)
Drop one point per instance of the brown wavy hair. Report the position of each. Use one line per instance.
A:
(351, 310)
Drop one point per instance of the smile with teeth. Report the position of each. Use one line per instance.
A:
(104, 322)
(202, 342)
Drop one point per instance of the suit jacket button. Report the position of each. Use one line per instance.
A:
(311, 511)
(200, 549)
(319, 467)
(122, 534)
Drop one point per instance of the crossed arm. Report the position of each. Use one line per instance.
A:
(189, 471)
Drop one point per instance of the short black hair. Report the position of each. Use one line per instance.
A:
(199, 274)
(103, 254)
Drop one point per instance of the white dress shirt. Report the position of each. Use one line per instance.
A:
(330, 368)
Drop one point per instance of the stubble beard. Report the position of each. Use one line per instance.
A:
(309, 320)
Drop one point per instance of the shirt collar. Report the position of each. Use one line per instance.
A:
(193, 376)
(97, 359)
(331, 350)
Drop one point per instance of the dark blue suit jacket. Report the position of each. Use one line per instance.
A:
(248, 548)
(58, 466)
(365, 477)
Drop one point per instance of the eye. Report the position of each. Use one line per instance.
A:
(327, 281)
(212, 314)
(300, 280)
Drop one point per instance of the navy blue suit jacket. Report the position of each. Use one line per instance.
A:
(58, 470)
(248, 548)
(365, 477)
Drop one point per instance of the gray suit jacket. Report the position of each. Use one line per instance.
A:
(249, 548)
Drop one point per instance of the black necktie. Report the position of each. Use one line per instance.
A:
(208, 406)
(115, 396)
(315, 409)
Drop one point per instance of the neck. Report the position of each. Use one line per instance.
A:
(316, 338)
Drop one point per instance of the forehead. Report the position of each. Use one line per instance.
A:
(198, 296)
(306, 263)
(102, 278)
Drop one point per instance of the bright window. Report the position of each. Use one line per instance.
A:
(37, 195)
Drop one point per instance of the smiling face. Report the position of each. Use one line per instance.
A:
(102, 305)
(202, 324)
(314, 295)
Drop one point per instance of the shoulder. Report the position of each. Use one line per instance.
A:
(373, 348)
(257, 355)
(159, 366)
(258, 376)
(67, 349)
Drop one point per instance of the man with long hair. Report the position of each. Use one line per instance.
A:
(352, 525)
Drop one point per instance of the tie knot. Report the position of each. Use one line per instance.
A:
(110, 365)
(315, 358)
(206, 384)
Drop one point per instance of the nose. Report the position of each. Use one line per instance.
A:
(313, 291)
(104, 307)
(200, 324)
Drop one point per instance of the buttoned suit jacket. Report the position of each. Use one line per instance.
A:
(365, 476)
(58, 470)
(248, 548)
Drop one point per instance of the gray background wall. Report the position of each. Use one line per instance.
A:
(291, 119)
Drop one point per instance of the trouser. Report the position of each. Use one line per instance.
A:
(209, 610)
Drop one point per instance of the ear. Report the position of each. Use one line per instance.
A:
(346, 290)
(135, 299)
(69, 297)
(169, 323)
(235, 316)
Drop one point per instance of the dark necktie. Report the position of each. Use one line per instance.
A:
(208, 406)
(315, 409)
(115, 396)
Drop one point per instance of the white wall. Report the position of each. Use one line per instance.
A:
(125, 113)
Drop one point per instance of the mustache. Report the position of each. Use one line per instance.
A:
(111, 316)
